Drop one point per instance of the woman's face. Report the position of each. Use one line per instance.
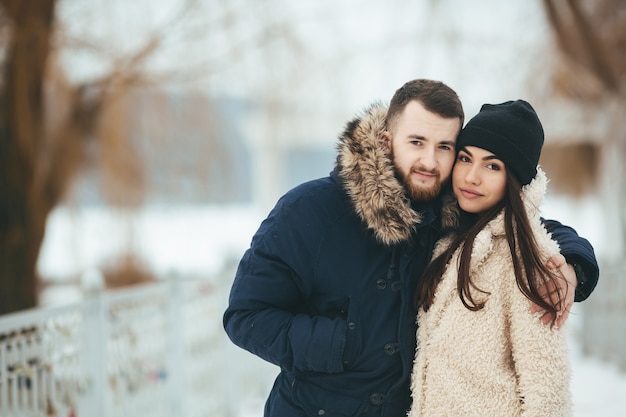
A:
(478, 179)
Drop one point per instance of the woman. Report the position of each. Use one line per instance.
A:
(481, 352)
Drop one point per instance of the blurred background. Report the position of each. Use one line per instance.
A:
(143, 142)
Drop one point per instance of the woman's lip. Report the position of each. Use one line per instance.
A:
(468, 193)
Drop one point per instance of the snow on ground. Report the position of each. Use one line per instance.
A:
(176, 241)
(196, 240)
(598, 388)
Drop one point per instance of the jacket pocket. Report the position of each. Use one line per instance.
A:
(330, 306)
(316, 401)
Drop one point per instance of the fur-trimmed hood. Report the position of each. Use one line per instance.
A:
(368, 176)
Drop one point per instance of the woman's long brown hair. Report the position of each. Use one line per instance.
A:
(530, 270)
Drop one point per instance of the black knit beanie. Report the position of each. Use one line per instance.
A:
(512, 131)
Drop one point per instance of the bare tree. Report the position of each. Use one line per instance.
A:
(26, 195)
(590, 35)
(591, 70)
(39, 154)
(49, 123)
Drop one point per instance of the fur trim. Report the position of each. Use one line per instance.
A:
(534, 193)
(450, 212)
(368, 176)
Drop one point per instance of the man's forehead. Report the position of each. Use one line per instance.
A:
(415, 114)
(443, 131)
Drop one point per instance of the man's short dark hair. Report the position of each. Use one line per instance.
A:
(435, 96)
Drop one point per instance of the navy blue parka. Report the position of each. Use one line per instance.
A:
(325, 289)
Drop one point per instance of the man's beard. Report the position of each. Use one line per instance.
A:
(418, 192)
(415, 192)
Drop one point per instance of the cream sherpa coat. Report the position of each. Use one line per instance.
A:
(499, 361)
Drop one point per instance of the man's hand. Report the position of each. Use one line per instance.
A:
(565, 284)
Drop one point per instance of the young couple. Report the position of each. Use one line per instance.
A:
(418, 219)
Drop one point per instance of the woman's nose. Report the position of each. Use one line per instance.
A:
(472, 176)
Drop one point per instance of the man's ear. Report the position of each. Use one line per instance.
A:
(385, 140)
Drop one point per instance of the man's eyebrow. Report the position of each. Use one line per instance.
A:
(424, 138)
(415, 136)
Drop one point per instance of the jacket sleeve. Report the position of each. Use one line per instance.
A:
(576, 250)
(267, 312)
(540, 358)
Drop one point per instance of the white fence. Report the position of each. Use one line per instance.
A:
(604, 318)
(152, 350)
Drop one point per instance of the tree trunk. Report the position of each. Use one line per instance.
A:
(24, 203)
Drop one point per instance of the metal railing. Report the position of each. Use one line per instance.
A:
(152, 350)
(160, 350)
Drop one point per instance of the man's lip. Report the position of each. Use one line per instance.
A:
(426, 174)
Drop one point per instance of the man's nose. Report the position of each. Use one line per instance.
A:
(428, 159)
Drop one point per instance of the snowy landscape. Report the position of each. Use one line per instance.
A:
(256, 95)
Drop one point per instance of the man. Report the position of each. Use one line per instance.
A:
(325, 290)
